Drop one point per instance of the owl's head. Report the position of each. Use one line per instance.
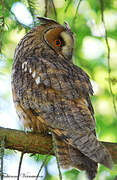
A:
(59, 38)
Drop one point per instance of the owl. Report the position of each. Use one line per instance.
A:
(51, 94)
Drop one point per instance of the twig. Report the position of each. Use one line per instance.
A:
(108, 57)
(57, 160)
(2, 156)
(31, 5)
(69, 2)
(42, 166)
(46, 8)
(2, 26)
(54, 10)
(76, 12)
(20, 163)
(45, 159)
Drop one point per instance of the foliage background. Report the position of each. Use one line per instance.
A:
(91, 54)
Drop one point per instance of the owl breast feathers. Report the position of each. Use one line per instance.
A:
(51, 94)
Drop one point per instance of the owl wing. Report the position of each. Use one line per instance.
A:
(62, 86)
(61, 99)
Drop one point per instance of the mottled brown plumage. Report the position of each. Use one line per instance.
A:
(52, 94)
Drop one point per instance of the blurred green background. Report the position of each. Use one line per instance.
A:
(91, 54)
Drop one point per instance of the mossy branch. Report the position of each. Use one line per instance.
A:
(39, 143)
(26, 142)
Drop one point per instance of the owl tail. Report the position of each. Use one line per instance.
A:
(92, 148)
(71, 157)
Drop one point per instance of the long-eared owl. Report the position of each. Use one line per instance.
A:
(51, 94)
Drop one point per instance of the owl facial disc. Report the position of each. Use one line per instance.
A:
(60, 40)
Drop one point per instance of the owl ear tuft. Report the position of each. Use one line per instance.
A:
(46, 20)
(67, 25)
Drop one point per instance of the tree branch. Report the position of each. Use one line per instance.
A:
(39, 143)
(26, 142)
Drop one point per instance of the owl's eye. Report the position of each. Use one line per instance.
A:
(58, 42)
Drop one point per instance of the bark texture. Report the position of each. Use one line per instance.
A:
(39, 143)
